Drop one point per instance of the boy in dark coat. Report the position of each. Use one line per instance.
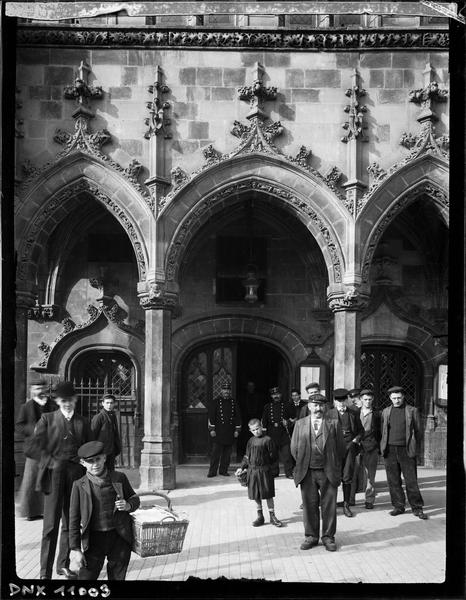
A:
(31, 503)
(261, 453)
(105, 429)
(100, 525)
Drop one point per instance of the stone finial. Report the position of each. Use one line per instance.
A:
(157, 121)
(354, 126)
(257, 94)
(81, 91)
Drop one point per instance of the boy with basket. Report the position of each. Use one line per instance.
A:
(261, 454)
(100, 525)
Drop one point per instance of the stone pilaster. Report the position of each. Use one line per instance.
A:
(347, 306)
(157, 462)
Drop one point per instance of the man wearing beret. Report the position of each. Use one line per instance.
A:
(318, 447)
(224, 425)
(277, 419)
(400, 438)
(352, 433)
(370, 443)
(100, 525)
(59, 435)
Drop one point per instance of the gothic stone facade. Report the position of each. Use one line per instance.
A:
(142, 152)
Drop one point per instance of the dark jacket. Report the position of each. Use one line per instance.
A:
(356, 429)
(81, 510)
(224, 419)
(373, 440)
(29, 413)
(334, 449)
(412, 429)
(104, 428)
(49, 433)
(271, 422)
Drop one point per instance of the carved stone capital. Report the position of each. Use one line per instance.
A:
(350, 300)
(44, 312)
(158, 298)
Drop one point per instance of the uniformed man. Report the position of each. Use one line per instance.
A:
(354, 402)
(352, 433)
(276, 420)
(224, 427)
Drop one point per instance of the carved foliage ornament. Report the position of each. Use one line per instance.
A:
(438, 195)
(233, 39)
(195, 218)
(354, 126)
(157, 122)
(351, 300)
(158, 298)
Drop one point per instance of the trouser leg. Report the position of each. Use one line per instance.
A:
(31, 503)
(409, 470)
(95, 555)
(214, 458)
(311, 501)
(73, 471)
(328, 500)
(369, 462)
(355, 480)
(393, 470)
(118, 557)
(53, 504)
(224, 459)
(286, 459)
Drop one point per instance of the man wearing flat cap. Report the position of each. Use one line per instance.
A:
(352, 432)
(224, 426)
(399, 444)
(100, 525)
(59, 435)
(318, 447)
(277, 419)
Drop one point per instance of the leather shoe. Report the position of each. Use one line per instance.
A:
(225, 474)
(396, 511)
(68, 573)
(211, 475)
(329, 545)
(368, 505)
(352, 503)
(346, 510)
(309, 543)
(418, 512)
(259, 521)
(340, 504)
(275, 521)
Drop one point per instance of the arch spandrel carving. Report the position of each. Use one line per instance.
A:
(317, 208)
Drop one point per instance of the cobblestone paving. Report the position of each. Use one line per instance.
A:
(373, 547)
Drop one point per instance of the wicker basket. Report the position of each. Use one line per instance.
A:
(159, 537)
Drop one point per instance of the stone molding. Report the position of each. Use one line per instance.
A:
(55, 203)
(43, 312)
(195, 218)
(350, 300)
(440, 196)
(111, 311)
(28, 35)
(158, 298)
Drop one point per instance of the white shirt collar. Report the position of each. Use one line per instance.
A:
(67, 415)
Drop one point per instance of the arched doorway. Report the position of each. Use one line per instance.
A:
(385, 366)
(98, 372)
(203, 372)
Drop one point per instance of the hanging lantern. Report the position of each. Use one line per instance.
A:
(251, 283)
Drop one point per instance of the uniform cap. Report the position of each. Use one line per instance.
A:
(354, 392)
(64, 389)
(311, 385)
(274, 390)
(318, 399)
(367, 392)
(90, 449)
(396, 389)
(340, 394)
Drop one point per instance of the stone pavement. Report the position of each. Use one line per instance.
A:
(373, 547)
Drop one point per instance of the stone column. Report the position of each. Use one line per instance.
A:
(157, 465)
(347, 357)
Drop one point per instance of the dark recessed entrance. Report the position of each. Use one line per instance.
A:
(206, 368)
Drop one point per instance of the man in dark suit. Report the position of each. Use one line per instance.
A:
(105, 429)
(31, 502)
(100, 525)
(224, 426)
(352, 433)
(59, 435)
(318, 447)
(400, 437)
(276, 420)
(370, 443)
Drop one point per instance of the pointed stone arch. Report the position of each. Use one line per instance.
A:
(425, 176)
(50, 197)
(296, 190)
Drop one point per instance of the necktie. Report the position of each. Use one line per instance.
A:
(316, 426)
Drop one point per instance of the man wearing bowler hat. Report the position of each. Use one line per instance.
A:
(224, 425)
(100, 525)
(59, 435)
(400, 438)
(352, 432)
(318, 447)
(277, 419)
